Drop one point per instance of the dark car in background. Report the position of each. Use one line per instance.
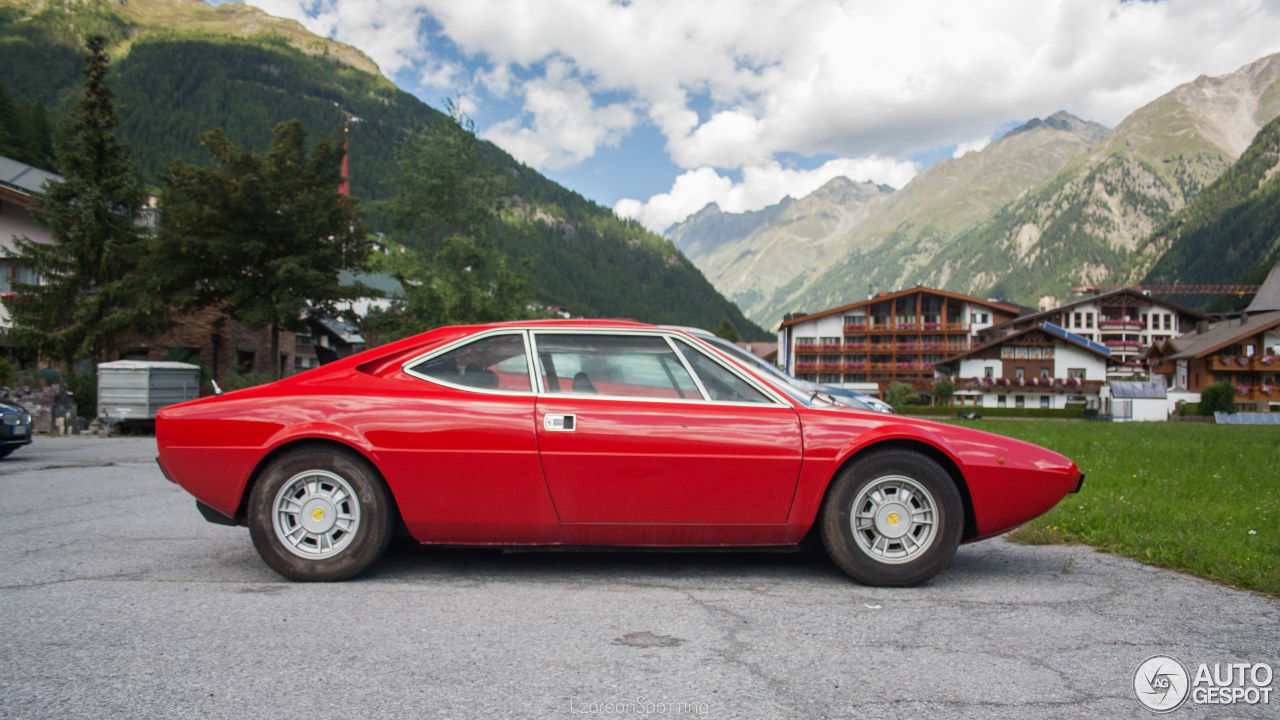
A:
(15, 428)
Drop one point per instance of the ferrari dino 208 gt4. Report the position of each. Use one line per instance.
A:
(589, 433)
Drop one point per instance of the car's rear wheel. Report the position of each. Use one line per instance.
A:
(892, 518)
(320, 514)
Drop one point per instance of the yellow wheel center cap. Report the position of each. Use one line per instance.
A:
(893, 518)
(317, 514)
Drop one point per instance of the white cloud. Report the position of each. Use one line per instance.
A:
(567, 126)
(972, 146)
(761, 186)
(861, 78)
(734, 83)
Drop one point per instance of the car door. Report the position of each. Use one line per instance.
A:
(629, 433)
(457, 443)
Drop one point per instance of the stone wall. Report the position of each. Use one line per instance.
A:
(52, 409)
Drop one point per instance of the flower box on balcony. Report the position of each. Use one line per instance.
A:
(806, 346)
(856, 326)
(1242, 390)
(932, 325)
(855, 346)
(1267, 359)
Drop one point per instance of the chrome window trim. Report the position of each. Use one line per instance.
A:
(768, 392)
(467, 339)
(684, 362)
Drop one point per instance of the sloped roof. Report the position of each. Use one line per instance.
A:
(1268, 297)
(1061, 334)
(1138, 390)
(1094, 298)
(1221, 334)
(23, 177)
(1007, 307)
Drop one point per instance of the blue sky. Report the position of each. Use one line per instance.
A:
(657, 107)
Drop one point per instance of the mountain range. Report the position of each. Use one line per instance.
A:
(181, 67)
(1051, 203)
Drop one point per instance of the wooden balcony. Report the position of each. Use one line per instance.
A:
(1125, 325)
(1231, 363)
(1261, 393)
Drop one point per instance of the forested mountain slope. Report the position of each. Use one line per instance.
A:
(1231, 230)
(183, 67)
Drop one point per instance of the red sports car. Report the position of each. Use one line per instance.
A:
(588, 433)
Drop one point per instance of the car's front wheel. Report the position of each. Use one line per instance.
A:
(892, 518)
(320, 514)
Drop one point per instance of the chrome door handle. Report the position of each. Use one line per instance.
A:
(559, 423)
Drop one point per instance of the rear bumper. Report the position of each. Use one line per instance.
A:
(1079, 484)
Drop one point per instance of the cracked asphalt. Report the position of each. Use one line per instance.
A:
(118, 600)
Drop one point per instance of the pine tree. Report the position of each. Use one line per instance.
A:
(262, 237)
(444, 214)
(89, 289)
(727, 330)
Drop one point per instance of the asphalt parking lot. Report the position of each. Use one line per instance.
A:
(118, 600)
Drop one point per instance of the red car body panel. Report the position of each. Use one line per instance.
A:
(480, 468)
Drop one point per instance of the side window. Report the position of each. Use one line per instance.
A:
(612, 365)
(496, 362)
(721, 384)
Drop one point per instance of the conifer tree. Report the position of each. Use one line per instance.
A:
(89, 287)
(443, 217)
(262, 237)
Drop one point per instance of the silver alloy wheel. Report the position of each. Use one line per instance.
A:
(894, 519)
(316, 514)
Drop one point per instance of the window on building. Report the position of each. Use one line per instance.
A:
(1002, 401)
(244, 362)
(806, 341)
(1044, 373)
(1020, 373)
(1044, 401)
(973, 318)
(1077, 373)
(1077, 320)
(1088, 320)
(988, 371)
(1019, 400)
(1168, 322)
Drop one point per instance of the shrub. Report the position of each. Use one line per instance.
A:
(942, 391)
(901, 394)
(1218, 397)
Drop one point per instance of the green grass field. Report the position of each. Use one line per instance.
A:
(1199, 498)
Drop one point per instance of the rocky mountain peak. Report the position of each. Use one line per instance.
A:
(1062, 120)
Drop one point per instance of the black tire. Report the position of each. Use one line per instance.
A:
(877, 468)
(377, 515)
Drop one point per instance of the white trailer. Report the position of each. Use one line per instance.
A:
(136, 389)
